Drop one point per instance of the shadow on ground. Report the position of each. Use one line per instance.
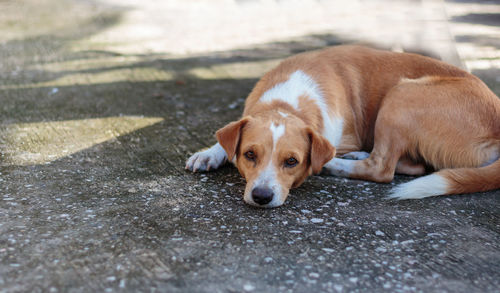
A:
(124, 215)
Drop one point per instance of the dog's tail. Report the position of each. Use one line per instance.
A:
(450, 181)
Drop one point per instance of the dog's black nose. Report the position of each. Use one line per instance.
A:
(262, 195)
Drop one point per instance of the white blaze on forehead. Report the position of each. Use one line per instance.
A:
(268, 177)
(301, 84)
(277, 131)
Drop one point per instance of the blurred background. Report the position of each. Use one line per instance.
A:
(102, 101)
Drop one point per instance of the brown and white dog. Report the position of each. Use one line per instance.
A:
(383, 112)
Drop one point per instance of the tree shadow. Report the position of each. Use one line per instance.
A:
(480, 40)
(192, 108)
(163, 62)
(491, 77)
(490, 19)
(51, 46)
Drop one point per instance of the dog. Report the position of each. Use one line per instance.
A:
(366, 114)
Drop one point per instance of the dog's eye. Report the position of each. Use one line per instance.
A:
(250, 156)
(291, 162)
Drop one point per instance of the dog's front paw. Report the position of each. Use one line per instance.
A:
(207, 160)
(339, 167)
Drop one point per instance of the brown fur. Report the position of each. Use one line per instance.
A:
(409, 111)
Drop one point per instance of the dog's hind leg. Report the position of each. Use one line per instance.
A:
(404, 166)
(380, 165)
(450, 123)
(342, 167)
(390, 143)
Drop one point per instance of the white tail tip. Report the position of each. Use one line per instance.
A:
(430, 185)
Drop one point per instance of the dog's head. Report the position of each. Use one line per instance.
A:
(273, 153)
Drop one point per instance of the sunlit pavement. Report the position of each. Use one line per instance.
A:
(101, 103)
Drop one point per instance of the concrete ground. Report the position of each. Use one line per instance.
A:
(102, 101)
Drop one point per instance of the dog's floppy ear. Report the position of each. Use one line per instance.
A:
(229, 136)
(321, 150)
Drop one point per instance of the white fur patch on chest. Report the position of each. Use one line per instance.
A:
(301, 84)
